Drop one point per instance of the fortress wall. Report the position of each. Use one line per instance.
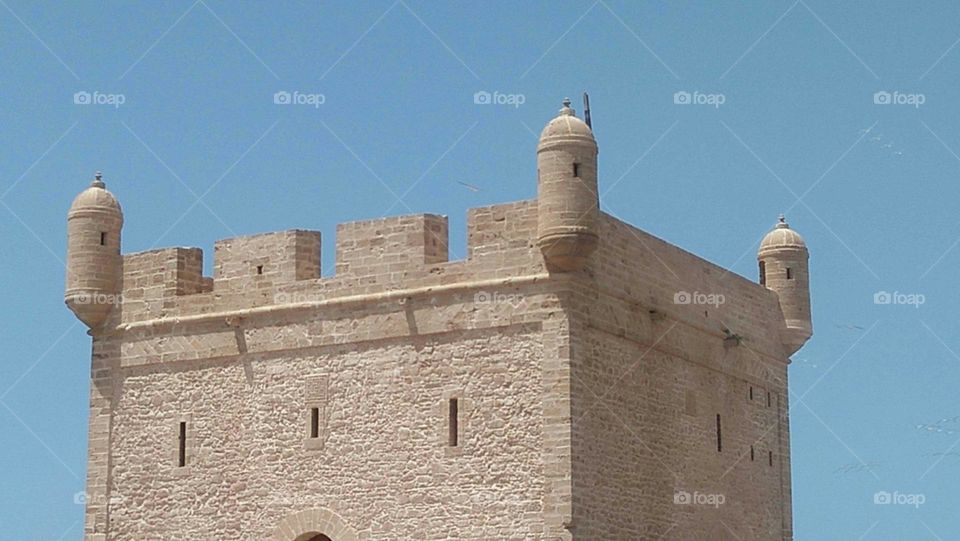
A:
(382, 461)
(392, 361)
(633, 264)
(644, 431)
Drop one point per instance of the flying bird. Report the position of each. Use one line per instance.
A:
(849, 326)
(470, 187)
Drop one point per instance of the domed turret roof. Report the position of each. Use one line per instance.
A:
(96, 197)
(782, 237)
(566, 124)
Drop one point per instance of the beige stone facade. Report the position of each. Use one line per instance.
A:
(627, 390)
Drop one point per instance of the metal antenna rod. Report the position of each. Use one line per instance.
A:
(586, 110)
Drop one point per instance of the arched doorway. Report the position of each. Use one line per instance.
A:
(308, 524)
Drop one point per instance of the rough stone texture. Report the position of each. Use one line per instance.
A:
(383, 466)
(587, 400)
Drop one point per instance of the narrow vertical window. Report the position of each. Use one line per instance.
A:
(314, 422)
(182, 442)
(751, 453)
(770, 457)
(768, 400)
(453, 423)
(576, 169)
(103, 239)
(763, 273)
(789, 273)
(259, 269)
(719, 436)
(751, 393)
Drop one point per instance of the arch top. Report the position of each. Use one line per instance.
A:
(318, 524)
(313, 537)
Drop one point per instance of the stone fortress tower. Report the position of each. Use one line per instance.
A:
(574, 378)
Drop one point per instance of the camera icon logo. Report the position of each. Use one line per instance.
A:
(682, 97)
(882, 297)
(80, 498)
(883, 498)
(482, 97)
(682, 297)
(482, 297)
(282, 98)
(882, 98)
(82, 98)
(682, 498)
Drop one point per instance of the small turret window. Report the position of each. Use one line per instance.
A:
(576, 170)
(103, 239)
(789, 273)
(763, 273)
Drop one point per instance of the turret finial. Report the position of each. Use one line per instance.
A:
(98, 180)
(567, 110)
(782, 223)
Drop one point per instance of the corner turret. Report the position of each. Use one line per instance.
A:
(783, 259)
(567, 199)
(93, 254)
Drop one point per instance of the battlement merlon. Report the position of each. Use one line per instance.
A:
(266, 259)
(397, 243)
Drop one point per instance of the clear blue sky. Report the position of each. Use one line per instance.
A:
(877, 185)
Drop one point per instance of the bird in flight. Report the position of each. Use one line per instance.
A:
(470, 187)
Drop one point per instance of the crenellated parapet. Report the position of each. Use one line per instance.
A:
(282, 268)
(562, 236)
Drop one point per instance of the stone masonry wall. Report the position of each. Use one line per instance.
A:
(650, 372)
(384, 464)
(589, 399)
